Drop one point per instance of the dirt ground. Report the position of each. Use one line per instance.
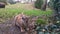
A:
(8, 28)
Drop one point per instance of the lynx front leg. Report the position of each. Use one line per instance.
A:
(22, 29)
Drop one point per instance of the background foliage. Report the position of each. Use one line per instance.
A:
(38, 4)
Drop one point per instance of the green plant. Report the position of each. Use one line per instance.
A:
(38, 4)
(54, 3)
(51, 3)
(40, 21)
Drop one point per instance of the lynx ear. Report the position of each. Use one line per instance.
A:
(22, 14)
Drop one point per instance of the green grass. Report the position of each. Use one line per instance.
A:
(12, 10)
(9, 12)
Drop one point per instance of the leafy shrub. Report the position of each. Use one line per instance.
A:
(54, 3)
(51, 3)
(58, 4)
(40, 21)
(38, 4)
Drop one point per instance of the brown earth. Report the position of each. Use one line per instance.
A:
(8, 28)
